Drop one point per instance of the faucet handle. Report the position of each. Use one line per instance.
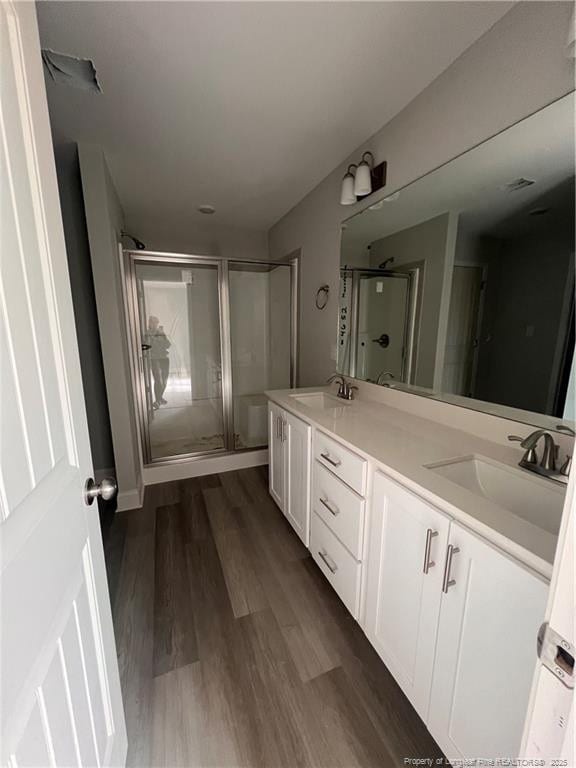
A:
(530, 457)
(565, 468)
(350, 391)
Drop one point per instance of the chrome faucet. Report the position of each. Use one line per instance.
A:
(546, 465)
(345, 389)
(384, 375)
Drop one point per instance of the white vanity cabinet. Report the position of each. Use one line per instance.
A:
(455, 620)
(485, 650)
(453, 617)
(289, 472)
(406, 549)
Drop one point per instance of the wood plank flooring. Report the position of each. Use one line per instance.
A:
(234, 650)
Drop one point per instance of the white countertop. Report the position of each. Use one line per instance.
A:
(402, 444)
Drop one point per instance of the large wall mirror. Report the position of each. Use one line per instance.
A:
(461, 285)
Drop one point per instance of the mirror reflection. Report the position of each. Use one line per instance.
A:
(461, 285)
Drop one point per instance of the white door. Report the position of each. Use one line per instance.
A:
(277, 464)
(60, 688)
(298, 441)
(404, 585)
(492, 610)
(549, 728)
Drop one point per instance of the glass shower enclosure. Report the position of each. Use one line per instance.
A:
(208, 337)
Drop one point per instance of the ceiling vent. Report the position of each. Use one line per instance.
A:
(514, 186)
(70, 70)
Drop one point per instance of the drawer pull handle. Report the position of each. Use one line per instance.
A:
(330, 460)
(447, 581)
(333, 510)
(430, 534)
(330, 564)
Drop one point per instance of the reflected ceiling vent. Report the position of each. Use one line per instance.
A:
(514, 186)
(70, 70)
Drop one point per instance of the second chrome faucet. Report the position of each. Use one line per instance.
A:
(546, 465)
(345, 389)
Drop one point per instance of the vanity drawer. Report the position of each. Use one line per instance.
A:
(336, 563)
(347, 465)
(339, 507)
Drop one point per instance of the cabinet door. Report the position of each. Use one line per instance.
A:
(277, 464)
(486, 651)
(407, 542)
(298, 454)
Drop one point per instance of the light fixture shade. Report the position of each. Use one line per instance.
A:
(363, 179)
(347, 196)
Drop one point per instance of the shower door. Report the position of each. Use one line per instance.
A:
(208, 337)
(180, 357)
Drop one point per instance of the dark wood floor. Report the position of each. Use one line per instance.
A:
(234, 650)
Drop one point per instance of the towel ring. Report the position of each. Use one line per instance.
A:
(322, 296)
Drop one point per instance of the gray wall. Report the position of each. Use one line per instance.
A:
(515, 69)
(85, 314)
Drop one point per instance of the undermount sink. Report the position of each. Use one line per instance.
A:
(535, 500)
(320, 401)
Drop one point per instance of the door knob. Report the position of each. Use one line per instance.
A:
(106, 489)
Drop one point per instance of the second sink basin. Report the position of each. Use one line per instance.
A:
(320, 401)
(533, 499)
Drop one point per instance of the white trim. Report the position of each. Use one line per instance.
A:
(181, 470)
(131, 499)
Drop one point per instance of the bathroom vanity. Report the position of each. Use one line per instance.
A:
(438, 545)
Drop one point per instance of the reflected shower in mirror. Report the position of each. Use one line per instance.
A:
(461, 285)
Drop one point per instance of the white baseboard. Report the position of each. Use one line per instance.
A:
(180, 470)
(129, 499)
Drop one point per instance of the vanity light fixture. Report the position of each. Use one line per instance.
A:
(347, 195)
(361, 180)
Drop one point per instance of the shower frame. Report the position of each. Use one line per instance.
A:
(137, 363)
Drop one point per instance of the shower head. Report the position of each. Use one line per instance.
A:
(137, 243)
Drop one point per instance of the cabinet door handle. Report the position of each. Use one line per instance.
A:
(447, 582)
(430, 534)
(278, 427)
(333, 510)
(283, 430)
(335, 462)
(330, 564)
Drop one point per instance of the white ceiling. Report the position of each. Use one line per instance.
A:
(243, 105)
